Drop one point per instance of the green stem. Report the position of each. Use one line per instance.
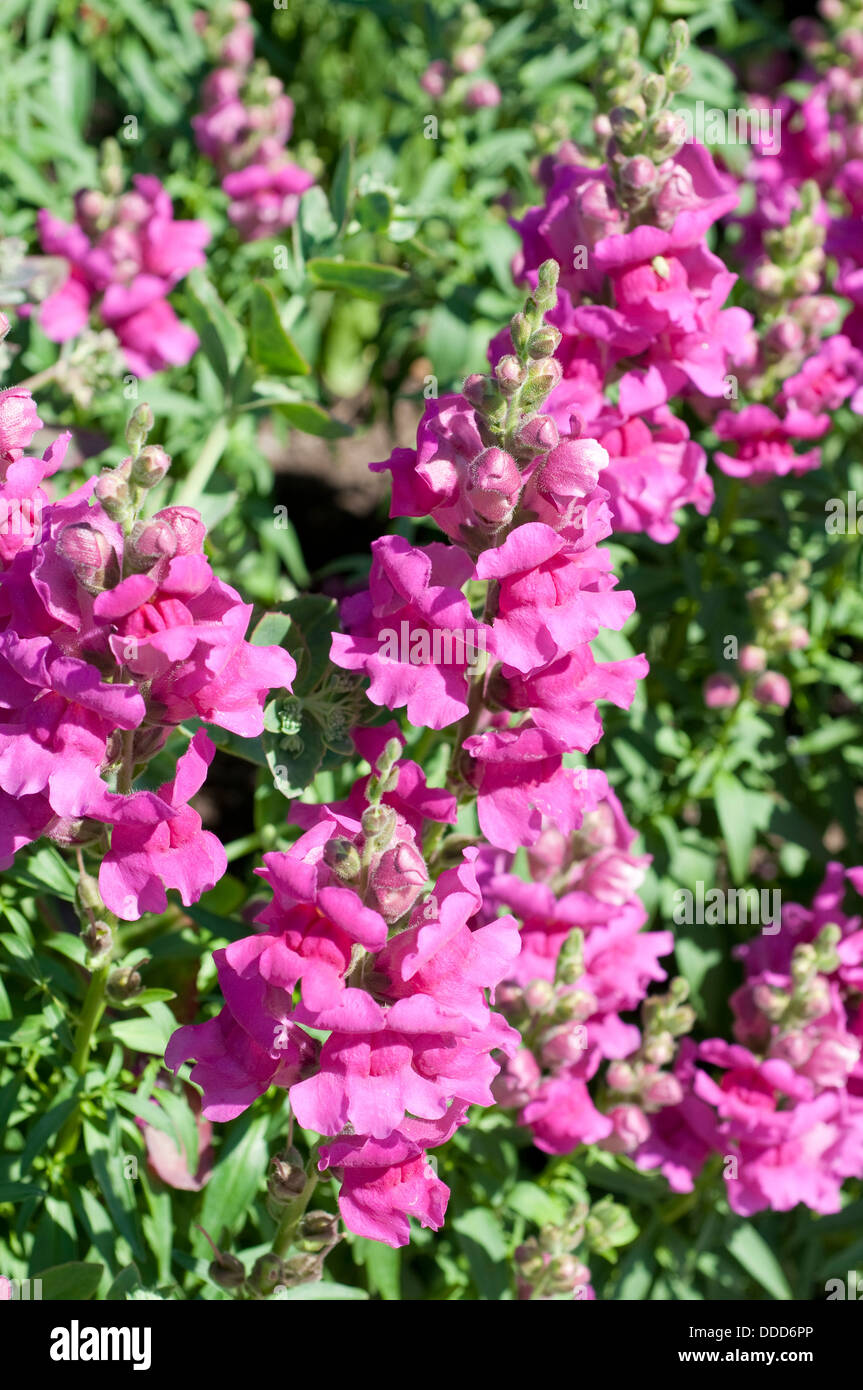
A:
(189, 490)
(32, 383)
(284, 1237)
(91, 1013)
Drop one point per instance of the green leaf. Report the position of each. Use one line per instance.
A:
(270, 345)
(741, 814)
(44, 869)
(535, 1204)
(312, 419)
(127, 1280)
(19, 1191)
(222, 338)
(362, 279)
(271, 630)
(141, 1035)
(44, 1129)
(321, 1293)
(236, 1179)
(480, 1236)
(75, 1281)
(751, 1250)
(383, 1267)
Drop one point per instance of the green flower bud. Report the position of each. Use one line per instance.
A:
(227, 1271)
(343, 858)
(123, 984)
(267, 1271)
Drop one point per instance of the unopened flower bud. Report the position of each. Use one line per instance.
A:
(770, 1001)
(494, 485)
(150, 466)
(621, 1077)
(378, 823)
(99, 940)
(720, 691)
(663, 1089)
(679, 77)
(187, 526)
(396, 880)
(343, 858)
(539, 996)
(544, 375)
(638, 175)
(752, 659)
(287, 1177)
(267, 1271)
(772, 688)
(139, 426)
(631, 1129)
(519, 331)
(510, 374)
(544, 341)
(123, 984)
(653, 90)
(659, 1050)
(87, 895)
(538, 435)
(318, 1231)
(148, 543)
(227, 1271)
(88, 553)
(112, 490)
(768, 279)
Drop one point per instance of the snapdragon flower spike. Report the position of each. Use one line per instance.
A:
(412, 1041)
(112, 632)
(244, 127)
(399, 979)
(788, 1102)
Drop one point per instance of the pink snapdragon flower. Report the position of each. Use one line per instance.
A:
(157, 842)
(124, 273)
(396, 627)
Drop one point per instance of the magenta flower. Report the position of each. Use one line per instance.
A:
(519, 777)
(18, 423)
(265, 198)
(157, 842)
(124, 273)
(549, 603)
(413, 610)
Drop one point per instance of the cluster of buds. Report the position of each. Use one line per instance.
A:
(641, 133)
(313, 1234)
(640, 1085)
(384, 863)
(836, 46)
(775, 609)
(227, 32)
(551, 1016)
(790, 331)
(507, 399)
(808, 994)
(794, 261)
(90, 366)
(547, 1267)
(458, 82)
